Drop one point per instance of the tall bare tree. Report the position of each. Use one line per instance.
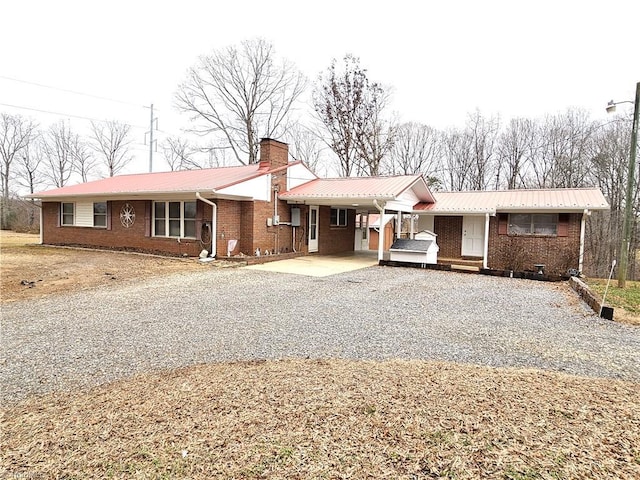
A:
(241, 93)
(352, 109)
(375, 133)
(85, 163)
(607, 169)
(111, 141)
(28, 173)
(515, 149)
(179, 154)
(417, 149)
(305, 145)
(60, 153)
(29, 164)
(15, 135)
(457, 151)
(561, 154)
(483, 133)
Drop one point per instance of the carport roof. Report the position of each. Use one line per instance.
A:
(561, 199)
(358, 189)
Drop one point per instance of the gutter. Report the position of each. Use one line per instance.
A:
(585, 214)
(214, 223)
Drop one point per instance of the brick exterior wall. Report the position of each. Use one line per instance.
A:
(449, 231)
(335, 239)
(515, 252)
(521, 253)
(135, 238)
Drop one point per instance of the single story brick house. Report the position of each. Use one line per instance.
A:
(277, 207)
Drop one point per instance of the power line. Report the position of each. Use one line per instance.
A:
(72, 91)
(62, 114)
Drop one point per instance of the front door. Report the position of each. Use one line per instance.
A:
(313, 229)
(472, 236)
(361, 241)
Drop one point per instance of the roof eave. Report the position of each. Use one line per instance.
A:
(553, 209)
(146, 195)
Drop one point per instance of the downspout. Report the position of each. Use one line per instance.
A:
(41, 222)
(583, 222)
(381, 228)
(485, 252)
(214, 223)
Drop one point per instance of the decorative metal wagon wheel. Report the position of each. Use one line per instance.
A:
(127, 215)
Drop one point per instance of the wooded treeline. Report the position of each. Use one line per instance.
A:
(239, 94)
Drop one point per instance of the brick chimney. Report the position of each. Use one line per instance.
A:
(273, 154)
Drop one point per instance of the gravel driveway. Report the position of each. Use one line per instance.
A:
(87, 338)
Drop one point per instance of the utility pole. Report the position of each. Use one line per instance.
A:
(627, 226)
(151, 140)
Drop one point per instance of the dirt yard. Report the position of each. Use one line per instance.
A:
(30, 270)
(301, 418)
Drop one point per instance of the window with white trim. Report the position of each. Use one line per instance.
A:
(533, 224)
(338, 217)
(67, 214)
(174, 219)
(100, 214)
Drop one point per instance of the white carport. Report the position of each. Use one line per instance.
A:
(383, 195)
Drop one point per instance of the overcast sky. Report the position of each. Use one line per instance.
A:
(443, 59)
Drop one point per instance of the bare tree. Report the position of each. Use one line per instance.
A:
(417, 149)
(457, 149)
(375, 134)
(179, 154)
(306, 145)
(241, 94)
(15, 135)
(29, 164)
(351, 108)
(607, 169)
(111, 141)
(483, 133)
(515, 149)
(560, 157)
(85, 164)
(60, 153)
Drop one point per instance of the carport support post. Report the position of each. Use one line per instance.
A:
(411, 228)
(381, 229)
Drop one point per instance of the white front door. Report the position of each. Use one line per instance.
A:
(361, 241)
(472, 236)
(313, 229)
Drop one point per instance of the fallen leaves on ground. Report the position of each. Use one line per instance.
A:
(331, 419)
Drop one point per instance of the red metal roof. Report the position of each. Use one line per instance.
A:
(565, 199)
(354, 187)
(163, 182)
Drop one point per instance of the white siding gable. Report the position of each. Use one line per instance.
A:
(255, 189)
(297, 175)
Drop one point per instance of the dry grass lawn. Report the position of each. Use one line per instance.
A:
(29, 270)
(305, 419)
(331, 419)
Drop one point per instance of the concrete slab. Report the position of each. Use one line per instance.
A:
(320, 265)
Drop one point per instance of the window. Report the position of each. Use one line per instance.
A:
(338, 217)
(68, 214)
(533, 224)
(174, 219)
(100, 214)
